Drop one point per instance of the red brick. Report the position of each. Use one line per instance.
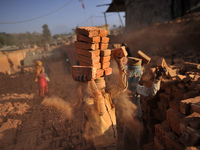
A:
(187, 85)
(195, 107)
(103, 32)
(104, 39)
(193, 85)
(87, 53)
(168, 89)
(87, 59)
(134, 61)
(175, 104)
(175, 118)
(119, 52)
(107, 71)
(159, 143)
(193, 148)
(86, 46)
(191, 75)
(161, 130)
(190, 94)
(146, 59)
(175, 121)
(194, 120)
(100, 72)
(103, 46)
(177, 93)
(171, 113)
(192, 65)
(86, 39)
(185, 106)
(198, 80)
(190, 137)
(172, 72)
(105, 65)
(105, 59)
(165, 97)
(172, 142)
(181, 85)
(97, 65)
(88, 31)
(90, 72)
(163, 105)
(180, 78)
(188, 121)
(168, 83)
(106, 52)
(187, 79)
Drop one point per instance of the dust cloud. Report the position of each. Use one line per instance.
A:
(71, 98)
(125, 109)
(58, 103)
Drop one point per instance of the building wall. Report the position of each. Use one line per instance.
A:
(143, 13)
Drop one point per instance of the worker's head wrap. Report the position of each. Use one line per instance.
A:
(100, 82)
(134, 69)
(38, 63)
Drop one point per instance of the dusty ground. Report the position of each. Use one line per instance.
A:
(25, 123)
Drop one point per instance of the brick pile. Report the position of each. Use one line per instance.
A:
(91, 50)
(173, 115)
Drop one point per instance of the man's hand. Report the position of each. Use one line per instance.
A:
(159, 72)
(81, 78)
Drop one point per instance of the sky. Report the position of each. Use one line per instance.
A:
(20, 16)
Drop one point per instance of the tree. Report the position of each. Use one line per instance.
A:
(6, 39)
(46, 34)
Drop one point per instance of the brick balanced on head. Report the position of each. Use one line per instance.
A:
(91, 52)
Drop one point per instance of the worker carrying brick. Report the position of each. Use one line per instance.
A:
(135, 67)
(41, 79)
(138, 86)
(99, 110)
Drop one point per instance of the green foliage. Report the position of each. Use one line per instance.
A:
(23, 39)
(46, 34)
(5, 39)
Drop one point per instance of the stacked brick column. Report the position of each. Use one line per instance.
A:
(174, 112)
(91, 50)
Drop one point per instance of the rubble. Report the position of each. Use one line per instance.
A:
(178, 103)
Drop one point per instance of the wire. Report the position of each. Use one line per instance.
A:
(94, 16)
(37, 17)
(85, 20)
(106, 15)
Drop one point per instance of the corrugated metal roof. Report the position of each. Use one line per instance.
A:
(116, 6)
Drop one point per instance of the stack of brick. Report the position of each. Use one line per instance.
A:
(177, 110)
(91, 50)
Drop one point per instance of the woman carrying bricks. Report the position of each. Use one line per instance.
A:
(41, 79)
(99, 110)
